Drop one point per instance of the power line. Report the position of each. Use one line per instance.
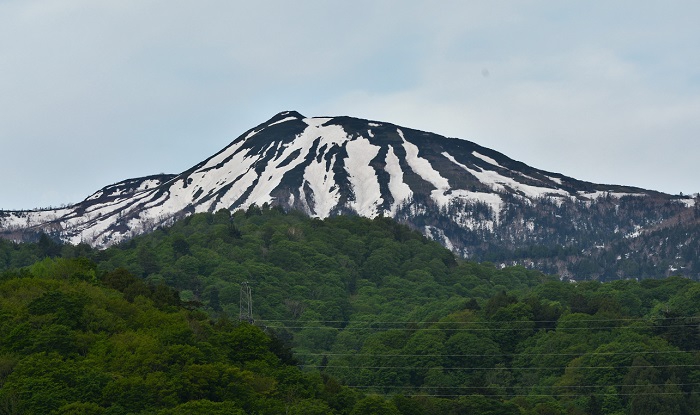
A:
(480, 329)
(493, 368)
(641, 319)
(498, 355)
(519, 387)
(548, 395)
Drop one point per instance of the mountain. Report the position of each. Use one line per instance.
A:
(476, 201)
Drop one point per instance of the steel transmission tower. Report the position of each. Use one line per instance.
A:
(246, 303)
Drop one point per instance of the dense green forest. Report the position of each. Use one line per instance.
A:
(73, 343)
(379, 319)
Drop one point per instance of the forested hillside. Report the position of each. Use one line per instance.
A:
(368, 304)
(70, 345)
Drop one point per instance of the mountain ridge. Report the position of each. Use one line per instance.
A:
(470, 198)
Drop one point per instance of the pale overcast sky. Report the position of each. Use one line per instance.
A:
(94, 92)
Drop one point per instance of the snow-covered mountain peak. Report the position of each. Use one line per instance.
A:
(283, 116)
(326, 166)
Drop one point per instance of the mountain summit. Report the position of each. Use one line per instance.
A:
(470, 198)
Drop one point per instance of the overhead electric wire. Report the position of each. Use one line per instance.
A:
(479, 328)
(561, 395)
(534, 387)
(500, 355)
(519, 390)
(495, 368)
(477, 322)
(402, 325)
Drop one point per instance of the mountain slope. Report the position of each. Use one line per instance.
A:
(472, 199)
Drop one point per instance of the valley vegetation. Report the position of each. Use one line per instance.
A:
(352, 316)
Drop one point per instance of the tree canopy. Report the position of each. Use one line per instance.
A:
(378, 318)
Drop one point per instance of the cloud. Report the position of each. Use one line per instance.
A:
(96, 92)
(587, 113)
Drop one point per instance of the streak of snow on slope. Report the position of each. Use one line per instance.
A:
(107, 208)
(32, 218)
(555, 180)
(92, 223)
(423, 168)
(88, 231)
(498, 182)
(164, 203)
(330, 135)
(252, 133)
(283, 120)
(95, 195)
(240, 170)
(104, 210)
(99, 228)
(122, 188)
(218, 158)
(303, 200)
(324, 191)
(362, 177)
(438, 235)
(487, 159)
(598, 194)
(148, 185)
(400, 191)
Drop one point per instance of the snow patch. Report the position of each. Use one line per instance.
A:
(148, 184)
(598, 194)
(252, 133)
(283, 120)
(438, 235)
(687, 202)
(424, 169)
(223, 155)
(492, 200)
(500, 183)
(325, 193)
(271, 177)
(637, 231)
(486, 159)
(400, 191)
(363, 178)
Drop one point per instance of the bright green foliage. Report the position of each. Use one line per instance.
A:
(70, 346)
(365, 303)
